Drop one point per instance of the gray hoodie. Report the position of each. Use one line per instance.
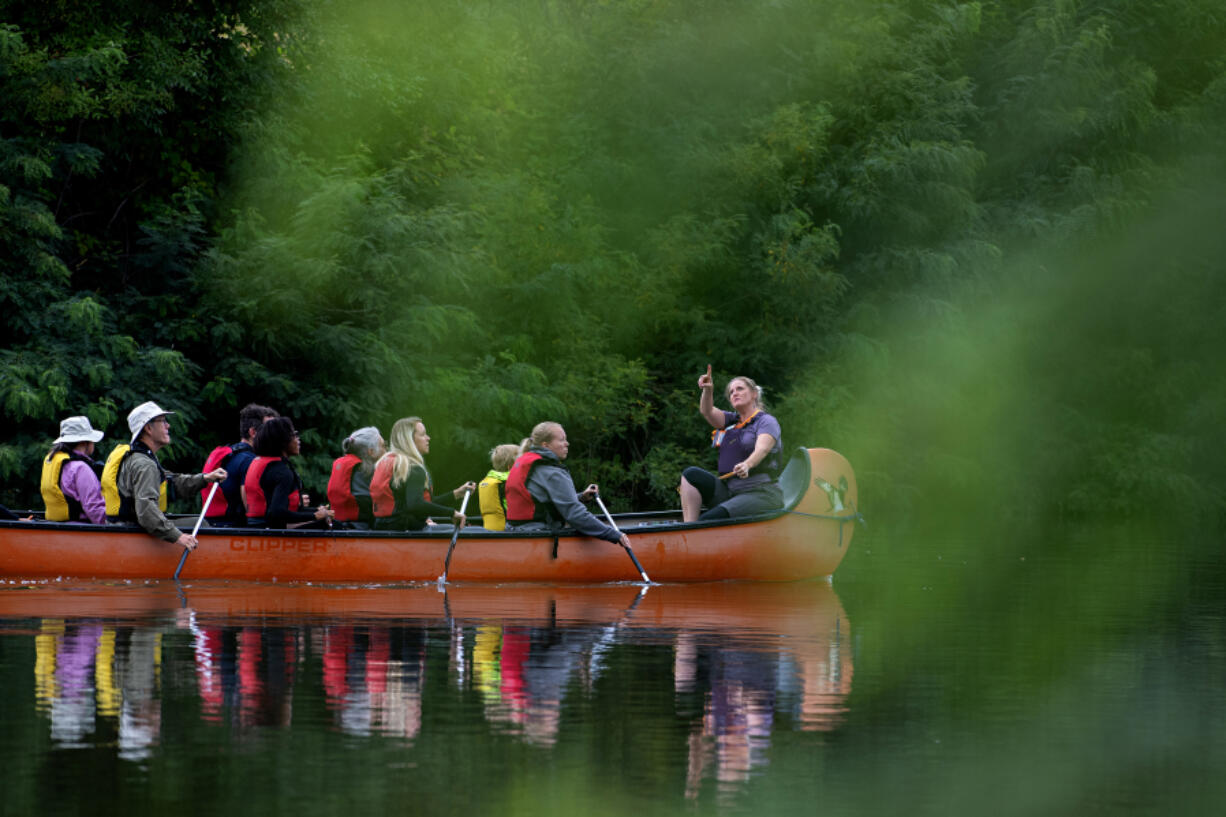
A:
(554, 485)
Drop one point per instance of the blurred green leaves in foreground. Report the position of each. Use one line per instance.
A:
(973, 246)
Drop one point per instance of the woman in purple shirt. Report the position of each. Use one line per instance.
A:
(750, 456)
(69, 485)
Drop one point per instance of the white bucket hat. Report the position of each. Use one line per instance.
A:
(77, 430)
(141, 415)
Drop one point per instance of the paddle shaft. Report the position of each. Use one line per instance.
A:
(629, 550)
(454, 538)
(207, 501)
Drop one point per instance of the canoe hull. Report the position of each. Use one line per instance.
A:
(805, 542)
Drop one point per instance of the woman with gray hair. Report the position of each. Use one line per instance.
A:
(349, 485)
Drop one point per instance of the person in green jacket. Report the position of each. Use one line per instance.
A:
(141, 476)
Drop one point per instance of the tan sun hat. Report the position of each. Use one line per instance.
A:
(140, 416)
(77, 430)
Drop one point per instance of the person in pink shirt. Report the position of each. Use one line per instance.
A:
(69, 485)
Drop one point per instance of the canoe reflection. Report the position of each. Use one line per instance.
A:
(746, 662)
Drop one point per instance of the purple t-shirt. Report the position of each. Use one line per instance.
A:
(80, 482)
(739, 443)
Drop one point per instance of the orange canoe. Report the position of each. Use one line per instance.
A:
(806, 540)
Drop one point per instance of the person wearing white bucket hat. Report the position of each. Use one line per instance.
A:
(140, 476)
(69, 484)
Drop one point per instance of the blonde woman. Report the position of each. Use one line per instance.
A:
(541, 494)
(750, 456)
(401, 490)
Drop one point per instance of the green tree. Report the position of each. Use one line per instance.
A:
(113, 134)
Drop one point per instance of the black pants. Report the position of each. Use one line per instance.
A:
(722, 503)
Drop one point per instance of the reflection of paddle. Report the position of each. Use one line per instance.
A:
(629, 550)
(196, 529)
(454, 536)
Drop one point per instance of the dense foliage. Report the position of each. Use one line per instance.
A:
(971, 245)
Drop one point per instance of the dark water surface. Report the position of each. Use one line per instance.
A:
(949, 692)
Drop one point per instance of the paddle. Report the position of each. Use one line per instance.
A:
(454, 536)
(196, 529)
(629, 550)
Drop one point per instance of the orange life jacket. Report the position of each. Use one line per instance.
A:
(340, 489)
(382, 496)
(521, 507)
(219, 457)
(257, 502)
(717, 436)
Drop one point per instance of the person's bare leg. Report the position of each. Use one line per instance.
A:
(691, 502)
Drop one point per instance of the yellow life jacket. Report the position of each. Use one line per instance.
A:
(110, 481)
(58, 506)
(492, 494)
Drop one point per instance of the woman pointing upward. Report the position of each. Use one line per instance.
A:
(750, 449)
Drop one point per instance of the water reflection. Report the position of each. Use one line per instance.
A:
(84, 672)
(373, 676)
(524, 672)
(247, 672)
(743, 688)
(744, 662)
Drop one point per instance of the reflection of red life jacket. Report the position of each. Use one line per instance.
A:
(382, 497)
(338, 643)
(250, 684)
(219, 457)
(521, 507)
(513, 688)
(257, 503)
(340, 488)
(378, 651)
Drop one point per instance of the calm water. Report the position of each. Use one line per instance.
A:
(940, 687)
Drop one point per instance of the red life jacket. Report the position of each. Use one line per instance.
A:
(340, 488)
(257, 503)
(521, 507)
(219, 457)
(382, 497)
